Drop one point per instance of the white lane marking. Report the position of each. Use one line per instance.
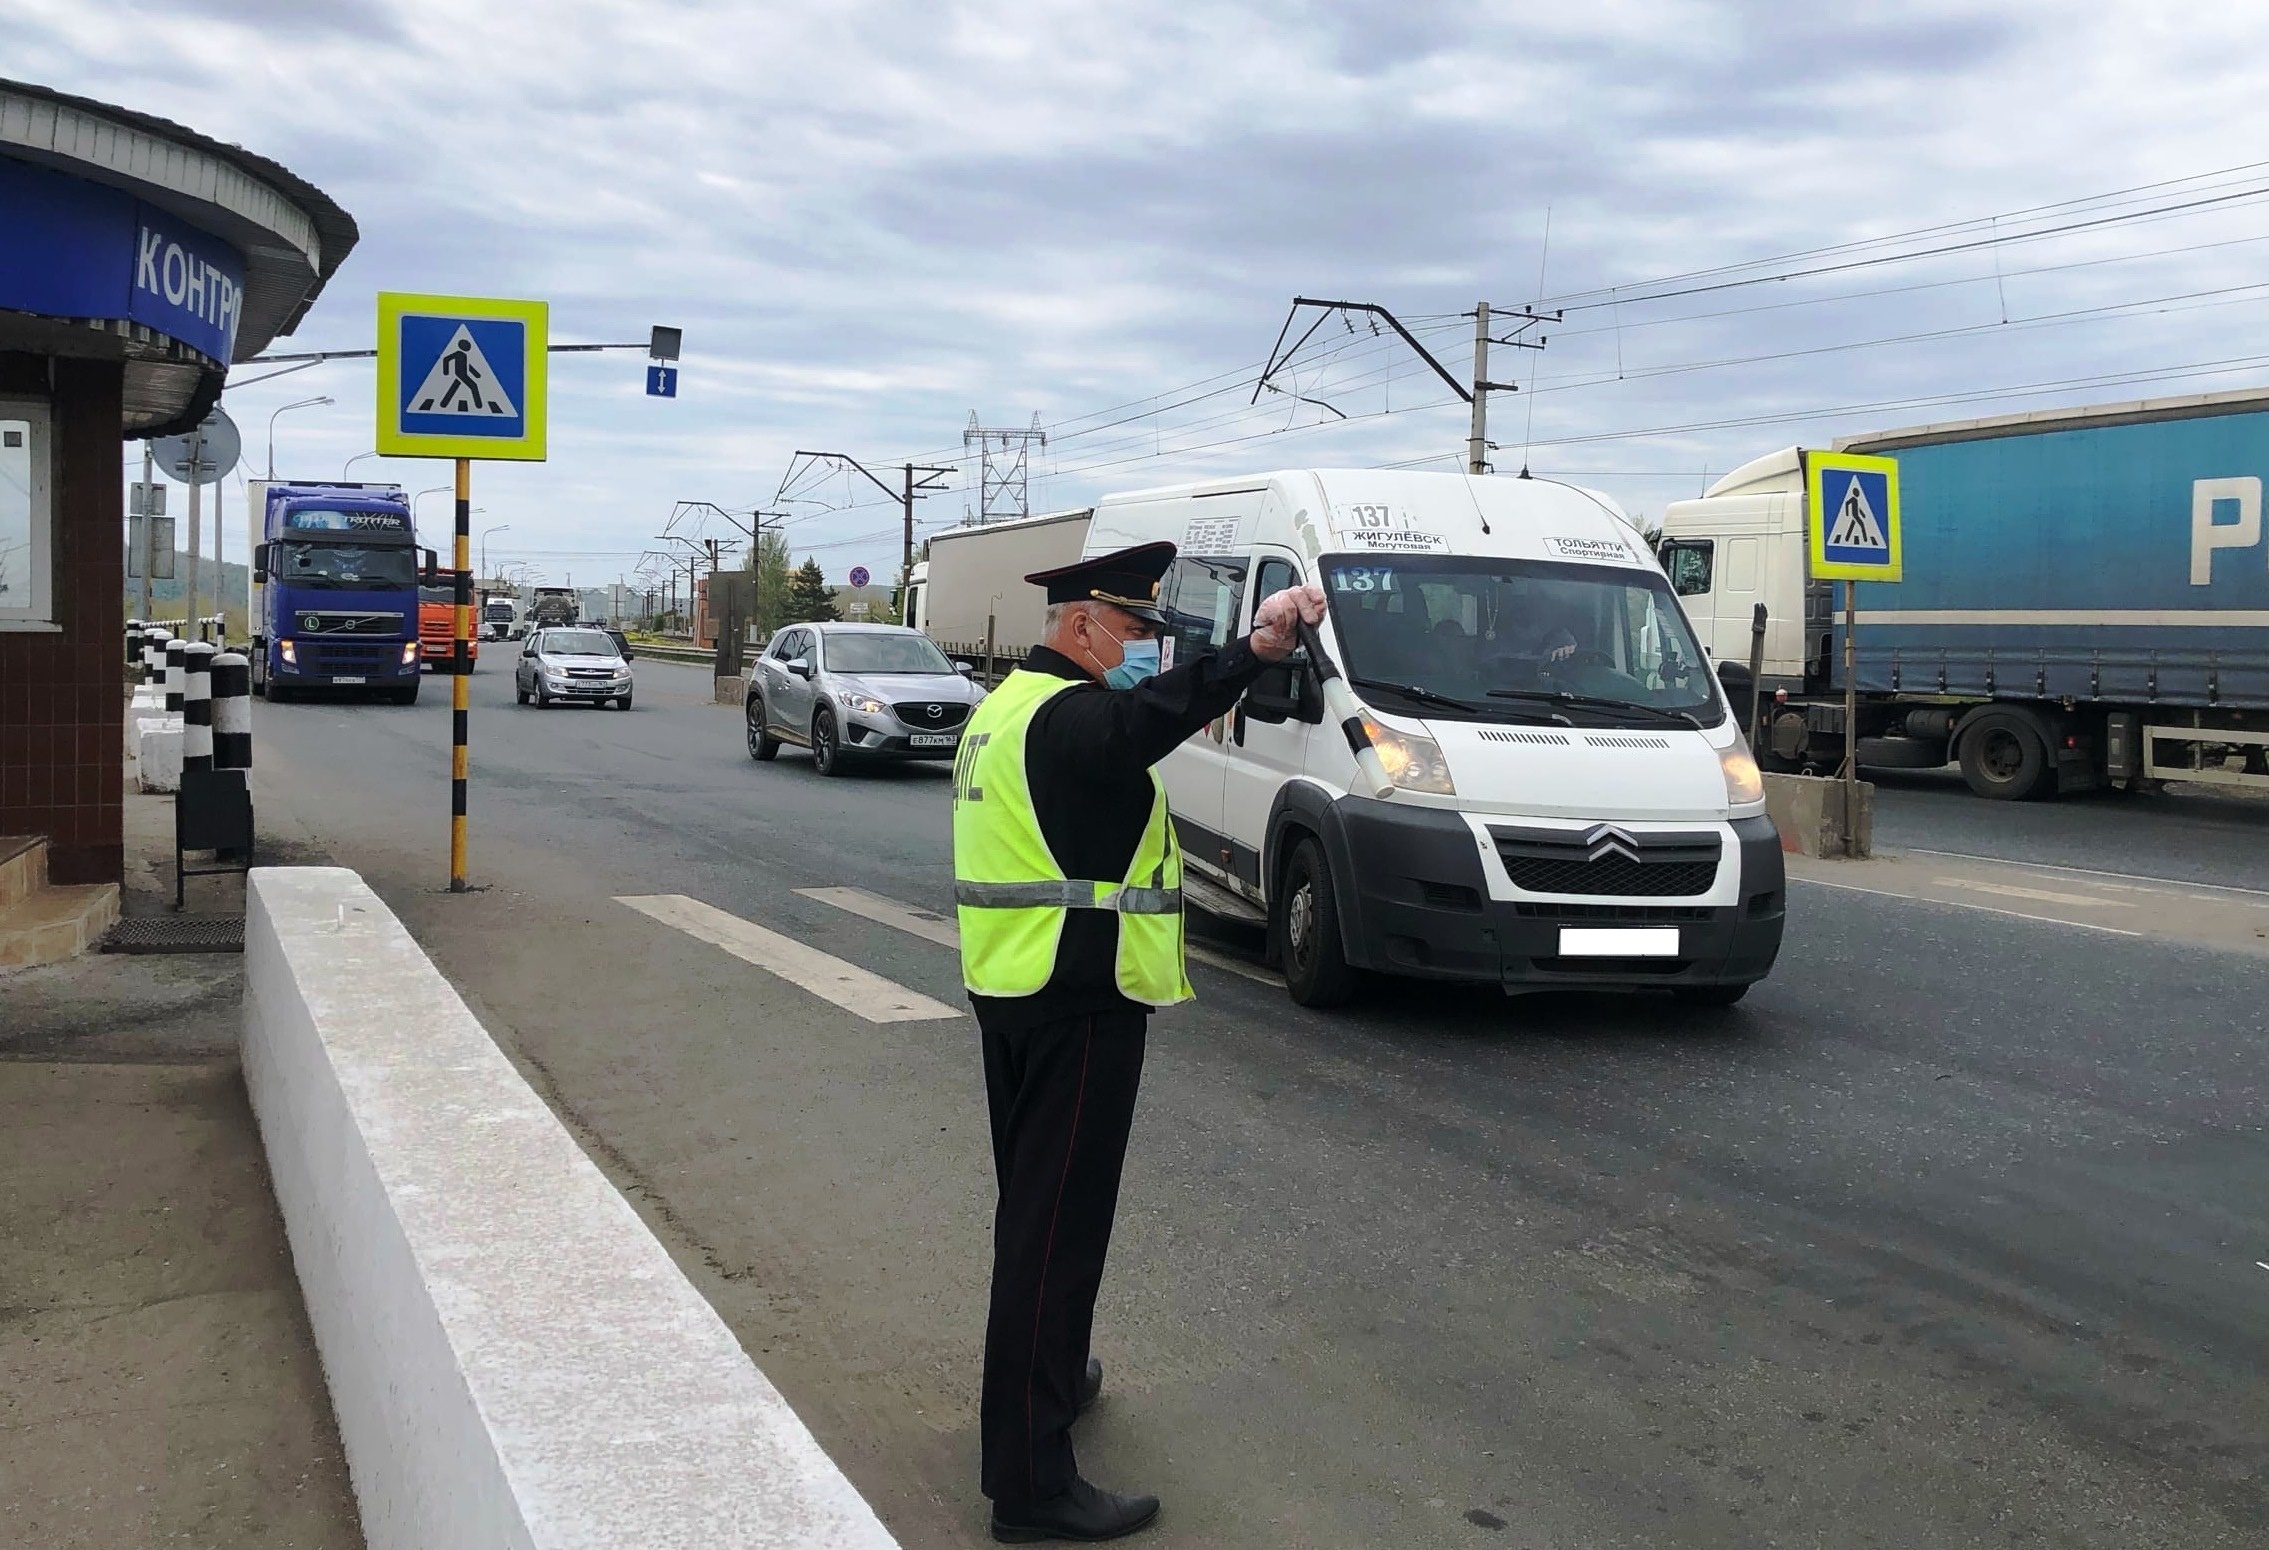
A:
(936, 928)
(831, 979)
(2011, 891)
(1957, 904)
(2171, 883)
(1229, 965)
(889, 912)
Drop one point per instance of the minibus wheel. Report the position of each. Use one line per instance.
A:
(1316, 970)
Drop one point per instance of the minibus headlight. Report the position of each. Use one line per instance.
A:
(1413, 761)
(1744, 782)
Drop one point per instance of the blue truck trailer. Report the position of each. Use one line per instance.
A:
(2085, 600)
(335, 573)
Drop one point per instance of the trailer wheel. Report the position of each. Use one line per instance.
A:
(2004, 758)
(1901, 753)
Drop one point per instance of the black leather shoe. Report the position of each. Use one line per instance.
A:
(1084, 1512)
(1090, 1385)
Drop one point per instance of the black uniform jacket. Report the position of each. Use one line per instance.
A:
(1088, 756)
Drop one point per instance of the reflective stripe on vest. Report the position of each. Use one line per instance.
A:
(1068, 895)
(1012, 895)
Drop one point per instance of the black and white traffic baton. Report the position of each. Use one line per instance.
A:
(1339, 701)
(1341, 706)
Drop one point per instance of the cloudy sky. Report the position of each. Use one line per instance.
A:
(873, 217)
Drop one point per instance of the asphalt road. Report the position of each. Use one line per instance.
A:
(1952, 1234)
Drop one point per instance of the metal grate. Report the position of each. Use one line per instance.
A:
(931, 713)
(1620, 912)
(1544, 739)
(344, 656)
(177, 934)
(1611, 874)
(1599, 740)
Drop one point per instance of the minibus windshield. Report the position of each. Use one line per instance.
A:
(1603, 643)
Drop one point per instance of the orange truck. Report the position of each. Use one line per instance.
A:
(437, 629)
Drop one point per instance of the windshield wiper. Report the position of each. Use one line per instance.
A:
(1414, 692)
(1597, 701)
(1424, 696)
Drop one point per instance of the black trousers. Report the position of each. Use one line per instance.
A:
(1062, 1096)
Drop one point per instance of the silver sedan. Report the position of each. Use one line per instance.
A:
(568, 666)
(852, 692)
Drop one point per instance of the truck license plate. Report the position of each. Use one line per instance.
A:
(932, 739)
(1618, 941)
(358, 678)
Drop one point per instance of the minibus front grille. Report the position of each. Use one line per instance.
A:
(1654, 914)
(1610, 861)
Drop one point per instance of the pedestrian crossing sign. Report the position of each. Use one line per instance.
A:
(461, 376)
(1853, 516)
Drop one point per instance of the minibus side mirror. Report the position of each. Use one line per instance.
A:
(1285, 691)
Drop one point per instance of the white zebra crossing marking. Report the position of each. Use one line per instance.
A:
(831, 979)
(936, 928)
(889, 912)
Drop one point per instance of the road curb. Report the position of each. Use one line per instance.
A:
(513, 1357)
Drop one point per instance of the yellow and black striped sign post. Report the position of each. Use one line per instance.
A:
(461, 686)
(462, 377)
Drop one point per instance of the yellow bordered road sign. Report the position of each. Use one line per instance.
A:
(1852, 516)
(462, 376)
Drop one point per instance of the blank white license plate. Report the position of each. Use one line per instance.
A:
(932, 739)
(1618, 941)
(358, 678)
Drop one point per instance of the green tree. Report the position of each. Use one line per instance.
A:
(809, 597)
(774, 578)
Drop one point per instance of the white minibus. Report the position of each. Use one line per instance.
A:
(1574, 805)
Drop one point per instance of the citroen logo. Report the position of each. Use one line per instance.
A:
(1602, 840)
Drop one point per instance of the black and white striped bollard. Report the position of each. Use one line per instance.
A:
(197, 706)
(175, 648)
(153, 653)
(134, 648)
(232, 711)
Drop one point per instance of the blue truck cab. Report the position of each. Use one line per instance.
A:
(335, 578)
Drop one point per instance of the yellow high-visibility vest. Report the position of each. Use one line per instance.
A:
(1010, 894)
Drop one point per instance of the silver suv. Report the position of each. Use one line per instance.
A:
(857, 691)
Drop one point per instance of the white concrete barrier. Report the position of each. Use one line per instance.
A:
(157, 752)
(514, 1359)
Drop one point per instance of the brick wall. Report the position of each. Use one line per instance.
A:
(62, 695)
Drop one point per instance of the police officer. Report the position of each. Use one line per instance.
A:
(1068, 885)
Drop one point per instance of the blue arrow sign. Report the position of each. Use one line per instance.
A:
(661, 382)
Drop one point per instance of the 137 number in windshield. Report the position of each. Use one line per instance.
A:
(1362, 578)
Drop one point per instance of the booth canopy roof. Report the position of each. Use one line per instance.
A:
(293, 237)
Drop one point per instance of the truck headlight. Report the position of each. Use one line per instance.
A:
(861, 702)
(1744, 782)
(290, 656)
(409, 652)
(1413, 761)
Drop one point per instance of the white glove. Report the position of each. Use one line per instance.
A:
(1276, 623)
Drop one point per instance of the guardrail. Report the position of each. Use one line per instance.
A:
(513, 1358)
